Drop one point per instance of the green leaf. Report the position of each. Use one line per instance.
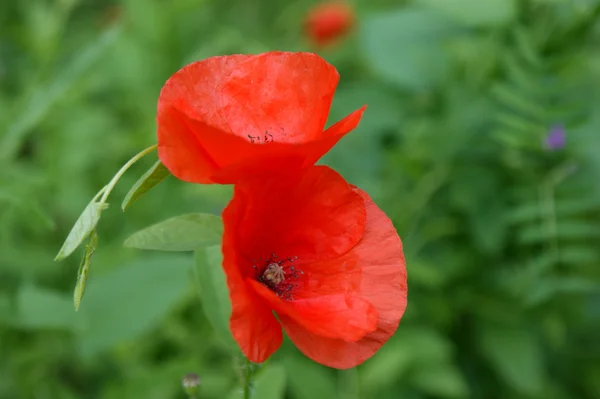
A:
(553, 287)
(405, 46)
(132, 299)
(36, 105)
(310, 380)
(475, 12)
(84, 268)
(181, 233)
(28, 207)
(157, 173)
(358, 156)
(572, 229)
(441, 380)
(6, 309)
(515, 355)
(518, 101)
(386, 366)
(40, 308)
(213, 290)
(83, 227)
(270, 383)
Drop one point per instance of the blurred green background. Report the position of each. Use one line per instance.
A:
(501, 234)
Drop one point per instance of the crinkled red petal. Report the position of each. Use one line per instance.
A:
(376, 269)
(226, 118)
(252, 323)
(341, 316)
(312, 214)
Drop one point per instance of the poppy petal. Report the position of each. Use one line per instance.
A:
(310, 214)
(227, 118)
(252, 323)
(382, 283)
(345, 317)
(279, 96)
(187, 106)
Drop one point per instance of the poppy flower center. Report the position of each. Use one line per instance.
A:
(278, 275)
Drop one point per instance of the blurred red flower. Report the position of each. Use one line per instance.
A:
(327, 22)
(231, 117)
(323, 256)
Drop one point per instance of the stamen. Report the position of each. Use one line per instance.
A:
(275, 274)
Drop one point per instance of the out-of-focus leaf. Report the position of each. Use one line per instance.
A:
(578, 254)
(427, 345)
(475, 12)
(44, 98)
(441, 380)
(358, 156)
(83, 227)
(157, 173)
(270, 383)
(84, 268)
(405, 46)
(551, 287)
(518, 101)
(40, 308)
(387, 366)
(181, 233)
(6, 311)
(310, 380)
(566, 230)
(213, 290)
(132, 299)
(28, 206)
(515, 355)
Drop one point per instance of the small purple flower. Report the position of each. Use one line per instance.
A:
(556, 138)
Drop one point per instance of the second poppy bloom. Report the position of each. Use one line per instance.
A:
(319, 253)
(328, 22)
(231, 117)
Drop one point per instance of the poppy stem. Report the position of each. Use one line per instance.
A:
(247, 379)
(248, 369)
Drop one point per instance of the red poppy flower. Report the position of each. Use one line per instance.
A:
(232, 117)
(329, 21)
(319, 253)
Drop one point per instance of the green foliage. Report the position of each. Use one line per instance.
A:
(83, 227)
(181, 233)
(474, 12)
(404, 46)
(84, 269)
(157, 173)
(212, 287)
(500, 234)
(270, 383)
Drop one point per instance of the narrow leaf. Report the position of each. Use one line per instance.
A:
(83, 227)
(157, 173)
(213, 290)
(181, 233)
(84, 267)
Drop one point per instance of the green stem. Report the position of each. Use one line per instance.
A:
(109, 187)
(247, 373)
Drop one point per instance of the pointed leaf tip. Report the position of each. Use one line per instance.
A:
(153, 176)
(84, 268)
(82, 228)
